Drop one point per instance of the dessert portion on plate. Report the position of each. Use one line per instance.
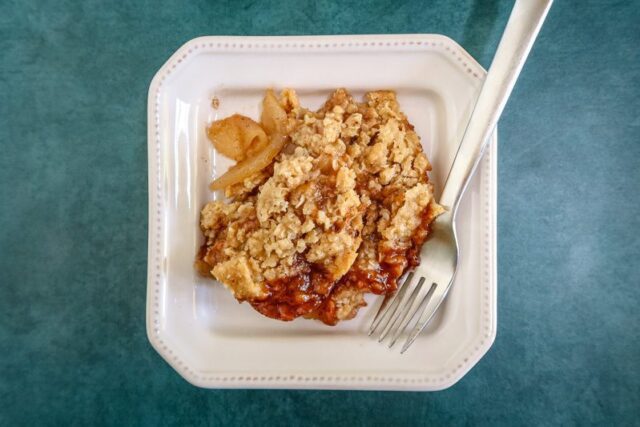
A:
(322, 207)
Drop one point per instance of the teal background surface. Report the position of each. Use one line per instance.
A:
(73, 217)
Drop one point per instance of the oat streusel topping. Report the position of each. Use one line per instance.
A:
(342, 211)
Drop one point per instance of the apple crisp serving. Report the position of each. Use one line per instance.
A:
(322, 207)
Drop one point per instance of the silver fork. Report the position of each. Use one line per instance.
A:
(423, 290)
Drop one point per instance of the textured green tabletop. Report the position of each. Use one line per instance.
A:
(73, 217)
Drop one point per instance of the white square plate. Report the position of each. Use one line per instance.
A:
(196, 324)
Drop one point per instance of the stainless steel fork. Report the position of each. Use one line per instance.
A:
(423, 290)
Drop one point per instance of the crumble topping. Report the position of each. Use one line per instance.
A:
(342, 211)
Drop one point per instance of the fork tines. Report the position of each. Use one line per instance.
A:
(401, 308)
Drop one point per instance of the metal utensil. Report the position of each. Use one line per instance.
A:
(423, 290)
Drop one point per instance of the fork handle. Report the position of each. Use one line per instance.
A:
(524, 24)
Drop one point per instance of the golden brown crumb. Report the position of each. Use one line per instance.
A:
(338, 214)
